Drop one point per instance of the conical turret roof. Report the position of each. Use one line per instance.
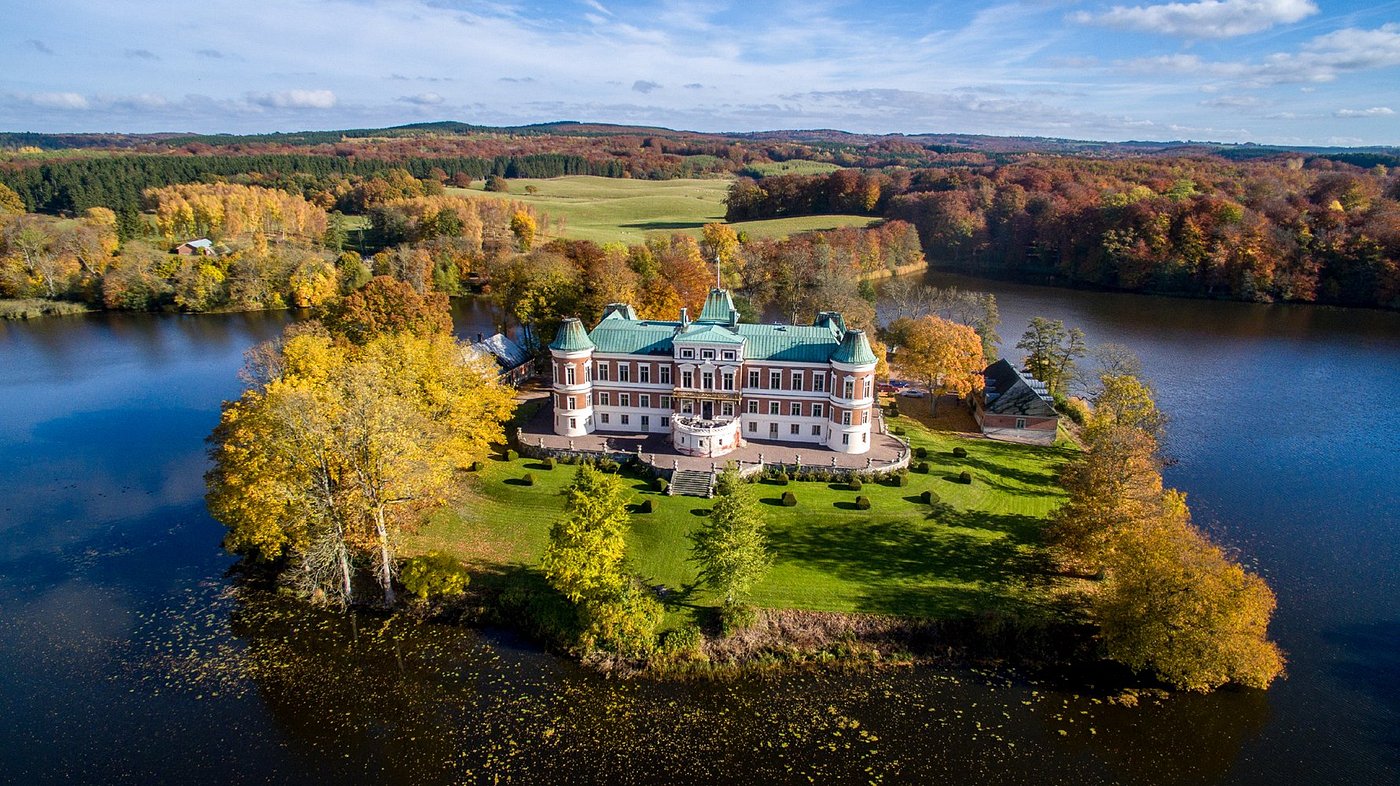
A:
(571, 337)
(854, 349)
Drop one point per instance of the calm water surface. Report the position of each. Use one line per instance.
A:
(128, 654)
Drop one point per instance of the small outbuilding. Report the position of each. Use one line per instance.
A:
(202, 247)
(511, 358)
(1015, 406)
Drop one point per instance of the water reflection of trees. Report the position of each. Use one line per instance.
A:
(403, 701)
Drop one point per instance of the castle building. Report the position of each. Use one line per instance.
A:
(714, 384)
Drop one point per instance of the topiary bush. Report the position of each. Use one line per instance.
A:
(965, 477)
(789, 499)
(548, 462)
(783, 479)
(434, 575)
(475, 467)
(960, 452)
(921, 452)
(922, 466)
(511, 455)
(898, 431)
(902, 479)
(854, 484)
(660, 484)
(645, 507)
(862, 503)
(926, 497)
(606, 464)
(529, 479)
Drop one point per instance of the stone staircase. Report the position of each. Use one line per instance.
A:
(693, 483)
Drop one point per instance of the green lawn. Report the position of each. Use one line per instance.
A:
(609, 209)
(976, 550)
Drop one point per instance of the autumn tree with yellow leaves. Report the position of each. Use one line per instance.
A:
(1171, 602)
(944, 355)
(339, 447)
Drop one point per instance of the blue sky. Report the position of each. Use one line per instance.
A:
(1268, 71)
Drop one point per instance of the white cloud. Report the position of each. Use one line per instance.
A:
(294, 99)
(56, 100)
(1204, 19)
(1234, 102)
(1323, 59)
(423, 99)
(645, 86)
(1375, 111)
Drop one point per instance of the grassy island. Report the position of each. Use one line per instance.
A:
(974, 548)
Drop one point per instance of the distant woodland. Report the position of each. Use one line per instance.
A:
(1288, 230)
(92, 218)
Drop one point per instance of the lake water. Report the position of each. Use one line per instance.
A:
(129, 654)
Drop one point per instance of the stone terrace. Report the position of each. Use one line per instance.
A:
(885, 449)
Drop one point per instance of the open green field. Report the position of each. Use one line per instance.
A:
(977, 549)
(608, 209)
(797, 166)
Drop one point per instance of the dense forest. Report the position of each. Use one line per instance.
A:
(1274, 230)
(272, 248)
(1241, 222)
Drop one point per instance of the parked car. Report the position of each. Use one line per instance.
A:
(885, 387)
(913, 393)
(898, 383)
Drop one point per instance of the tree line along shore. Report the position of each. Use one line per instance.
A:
(368, 464)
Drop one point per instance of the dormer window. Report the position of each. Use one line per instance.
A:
(707, 354)
(729, 354)
(687, 353)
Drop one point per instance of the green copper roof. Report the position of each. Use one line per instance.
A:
(701, 333)
(792, 343)
(719, 308)
(623, 310)
(627, 337)
(571, 337)
(854, 350)
(622, 333)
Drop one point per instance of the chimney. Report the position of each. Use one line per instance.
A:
(685, 317)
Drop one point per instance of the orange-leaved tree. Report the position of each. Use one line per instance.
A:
(944, 355)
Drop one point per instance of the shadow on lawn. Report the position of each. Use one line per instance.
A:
(898, 560)
(654, 225)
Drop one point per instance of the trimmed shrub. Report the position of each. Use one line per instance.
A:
(965, 477)
(511, 455)
(898, 431)
(606, 464)
(926, 497)
(782, 478)
(902, 479)
(660, 484)
(921, 452)
(645, 507)
(475, 467)
(529, 479)
(922, 466)
(789, 499)
(548, 462)
(434, 575)
(960, 452)
(862, 503)
(854, 484)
